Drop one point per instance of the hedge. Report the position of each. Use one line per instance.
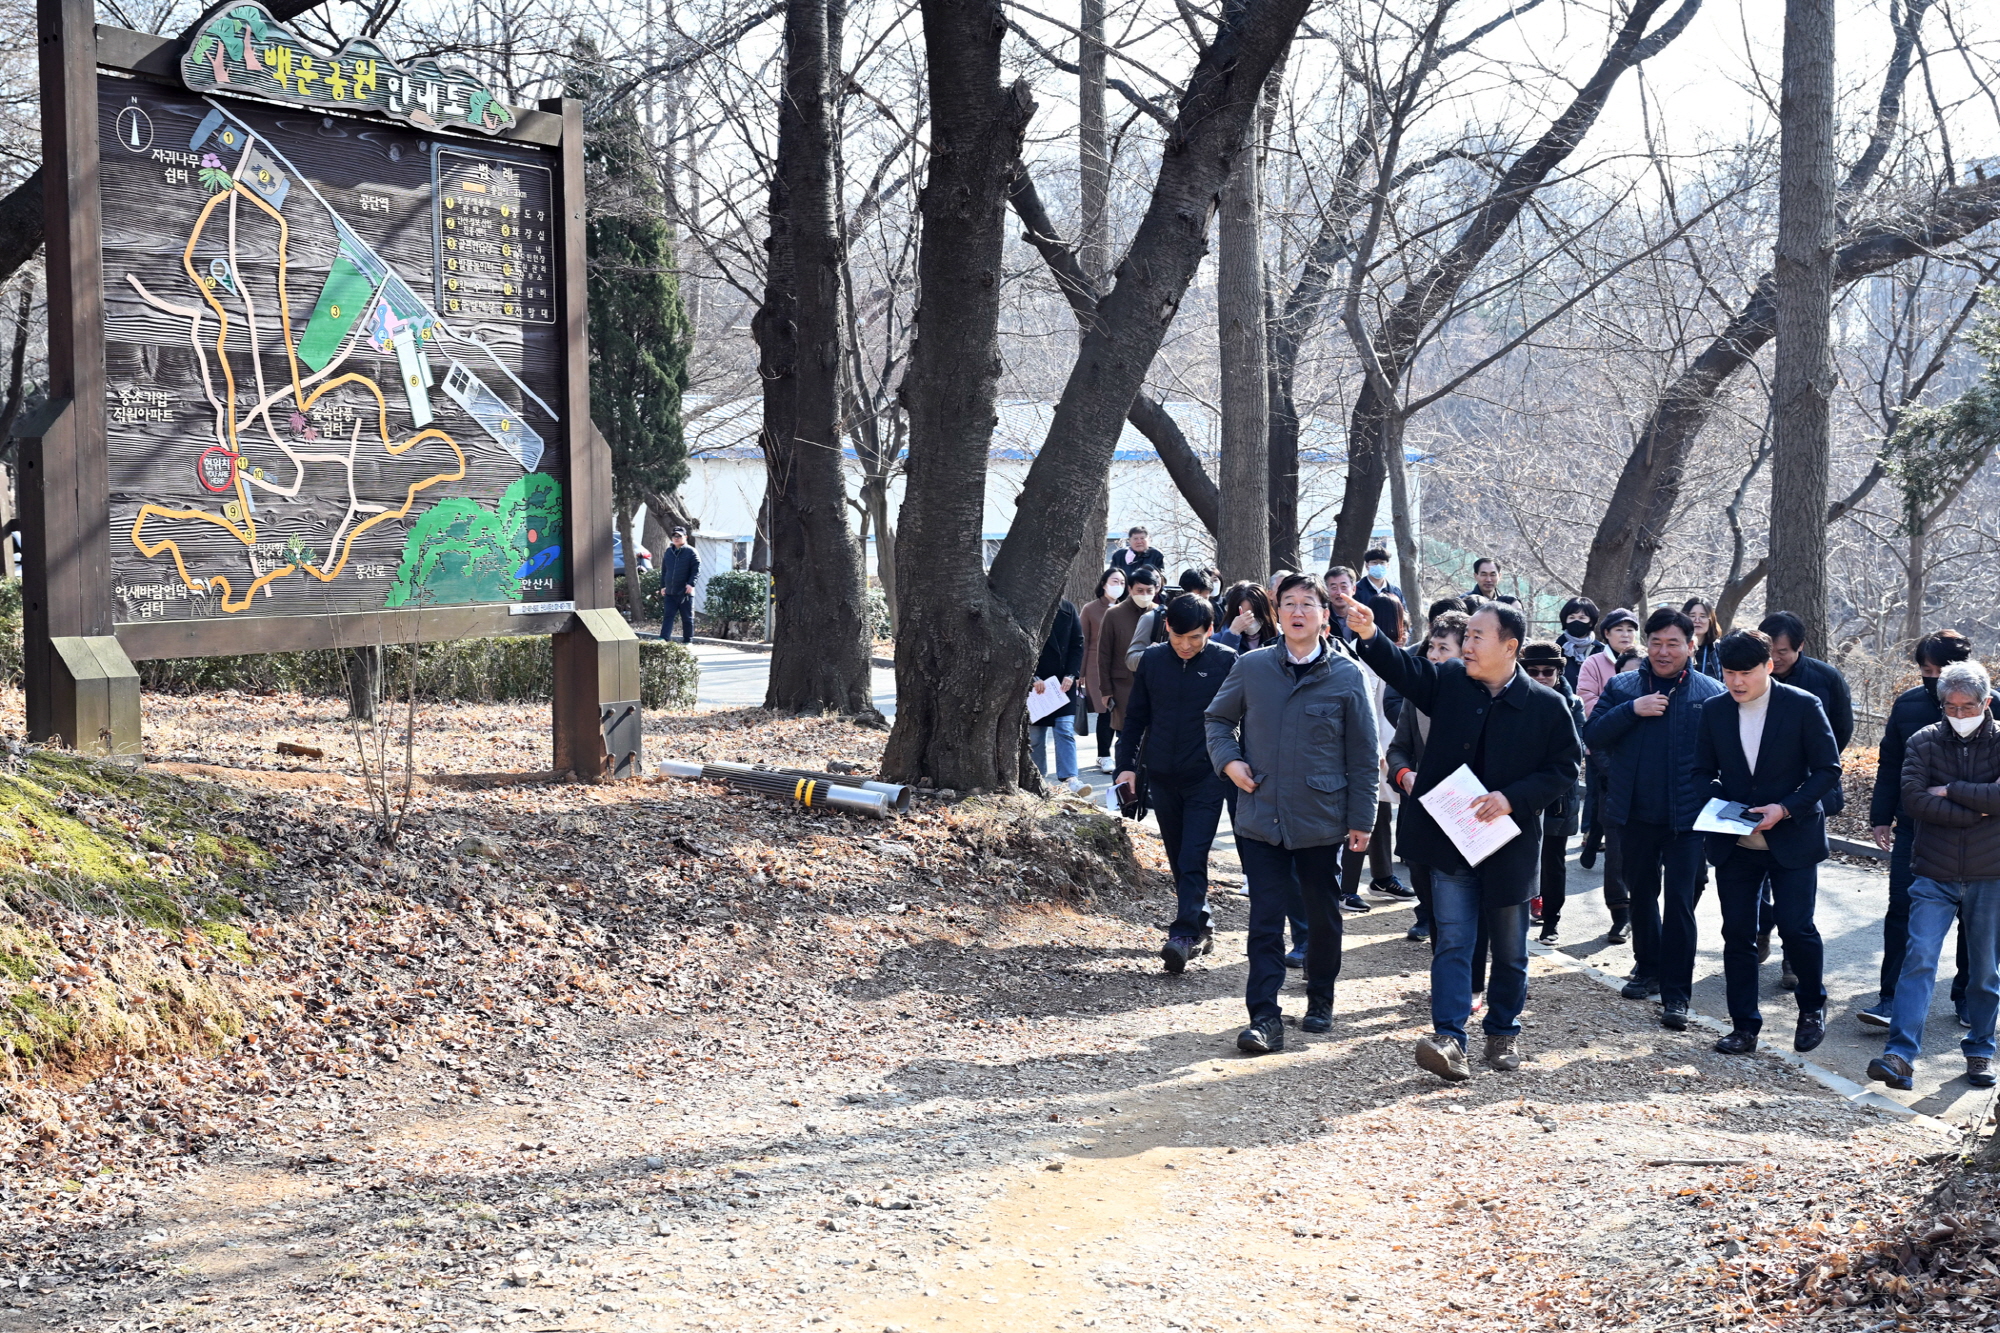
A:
(464, 670)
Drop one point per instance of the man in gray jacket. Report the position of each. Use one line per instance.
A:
(1294, 729)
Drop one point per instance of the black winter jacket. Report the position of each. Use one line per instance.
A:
(1062, 651)
(1825, 683)
(1168, 698)
(1530, 755)
(1913, 710)
(1957, 837)
(679, 567)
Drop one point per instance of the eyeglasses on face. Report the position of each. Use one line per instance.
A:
(1541, 670)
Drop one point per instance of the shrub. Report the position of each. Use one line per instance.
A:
(876, 612)
(737, 596)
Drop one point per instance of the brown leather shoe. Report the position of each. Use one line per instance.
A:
(1444, 1057)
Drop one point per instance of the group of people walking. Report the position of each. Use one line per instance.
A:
(1311, 709)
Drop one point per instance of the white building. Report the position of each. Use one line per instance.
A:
(725, 484)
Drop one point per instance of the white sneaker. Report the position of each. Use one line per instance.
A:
(1078, 787)
(1107, 764)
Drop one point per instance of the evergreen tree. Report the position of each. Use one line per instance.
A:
(639, 331)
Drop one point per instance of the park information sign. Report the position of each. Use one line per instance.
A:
(318, 375)
(331, 360)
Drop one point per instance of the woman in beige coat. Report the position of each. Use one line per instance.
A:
(1110, 587)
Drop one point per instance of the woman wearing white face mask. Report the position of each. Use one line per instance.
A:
(1097, 698)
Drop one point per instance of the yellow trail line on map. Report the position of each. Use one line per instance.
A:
(305, 402)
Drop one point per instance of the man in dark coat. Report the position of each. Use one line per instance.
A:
(1518, 739)
(678, 572)
(1139, 550)
(1645, 728)
(1171, 691)
(1914, 709)
(1769, 748)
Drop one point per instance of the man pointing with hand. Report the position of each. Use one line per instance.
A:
(1520, 743)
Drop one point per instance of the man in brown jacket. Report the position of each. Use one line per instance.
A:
(1951, 789)
(1120, 622)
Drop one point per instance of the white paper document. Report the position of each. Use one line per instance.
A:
(1720, 816)
(1450, 804)
(1050, 700)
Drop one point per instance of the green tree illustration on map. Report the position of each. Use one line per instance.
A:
(459, 551)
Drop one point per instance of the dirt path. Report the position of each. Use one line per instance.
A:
(1078, 1147)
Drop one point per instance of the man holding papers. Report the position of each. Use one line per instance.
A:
(1501, 749)
(1769, 748)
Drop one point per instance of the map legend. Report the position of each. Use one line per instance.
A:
(491, 217)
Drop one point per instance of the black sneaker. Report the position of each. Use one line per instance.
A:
(1674, 1017)
(1352, 903)
(1393, 888)
(1418, 934)
(1620, 932)
(1176, 952)
(1640, 988)
(1548, 935)
(1262, 1038)
(1319, 1016)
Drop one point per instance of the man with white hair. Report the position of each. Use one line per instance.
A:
(1951, 789)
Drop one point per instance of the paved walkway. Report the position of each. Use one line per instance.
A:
(1852, 900)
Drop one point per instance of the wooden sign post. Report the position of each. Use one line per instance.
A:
(318, 373)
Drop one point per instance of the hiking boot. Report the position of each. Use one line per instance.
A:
(1176, 952)
(1262, 1038)
(1393, 888)
(1444, 1057)
(1319, 1015)
(1896, 1072)
(1979, 1071)
(1737, 1042)
(1879, 1016)
(1811, 1031)
(1500, 1052)
(1674, 1017)
(1640, 988)
(1763, 946)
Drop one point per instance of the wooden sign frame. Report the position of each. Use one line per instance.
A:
(82, 689)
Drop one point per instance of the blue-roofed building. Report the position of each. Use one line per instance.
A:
(725, 485)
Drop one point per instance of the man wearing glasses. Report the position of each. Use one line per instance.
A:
(1646, 724)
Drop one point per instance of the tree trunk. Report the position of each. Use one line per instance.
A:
(1403, 518)
(1243, 538)
(819, 656)
(1802, 383)
(1914, 580)
(963, 659)
(1088, 567)
(1093, 255)
(964, 655)
(1432, 293)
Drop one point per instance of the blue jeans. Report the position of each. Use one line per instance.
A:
(1896, 922)
(1933, 905)
(1739, 885)
(1188, 806)
(1063, 724)
(1274, 874)
(1458, 908)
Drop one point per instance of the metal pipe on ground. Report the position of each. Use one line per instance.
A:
(807, 791)
(897, 794)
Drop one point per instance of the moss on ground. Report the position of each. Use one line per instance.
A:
(139, 874)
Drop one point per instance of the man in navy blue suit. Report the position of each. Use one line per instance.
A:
(1770, 748)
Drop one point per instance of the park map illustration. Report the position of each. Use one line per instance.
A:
(332, 359)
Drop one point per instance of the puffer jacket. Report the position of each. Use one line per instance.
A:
(1957, 837)
(1310, 742)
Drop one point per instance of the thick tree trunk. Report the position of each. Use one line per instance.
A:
(621, 514)
(1432, 293)
(963, 658)
(1243, 539)
(1093, 254)
(960, 686)
(1802, 385)
(819, 656)
(364, 682)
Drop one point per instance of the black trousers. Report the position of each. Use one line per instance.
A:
(1555, 875)
(678, 608)
(1380, 863)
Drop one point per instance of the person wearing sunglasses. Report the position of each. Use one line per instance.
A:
(1544, 662)
(1647, 724)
